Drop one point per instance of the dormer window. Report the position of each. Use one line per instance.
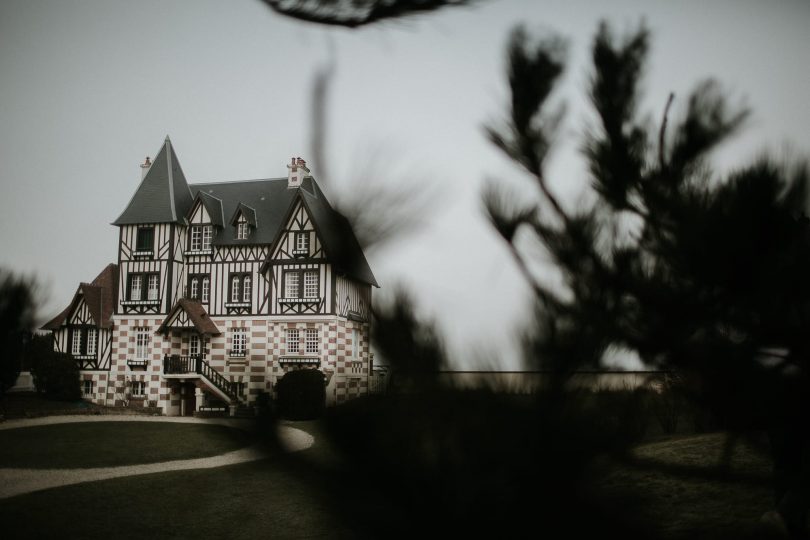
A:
(242, 230)
(200, 237)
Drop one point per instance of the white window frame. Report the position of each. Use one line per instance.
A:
(207, 234)
(311, 285)
(194, 287)
(247, 283)
(235, 279)
(292, 341)
(312, 340)
(238, 342)
(206, 288)
(302, 242)
(136, 286)
(91, 341)
(196, 238)
(292, 284)
(355, 343)
(76, 342)
(242, 230)
(153, 287)
(142, 342)
(138, 389)
(88, 383)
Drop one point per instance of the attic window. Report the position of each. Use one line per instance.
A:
(301, 244)
(242, 230)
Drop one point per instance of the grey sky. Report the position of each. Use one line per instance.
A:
(89, 88)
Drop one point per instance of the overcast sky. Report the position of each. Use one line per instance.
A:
(89, 88)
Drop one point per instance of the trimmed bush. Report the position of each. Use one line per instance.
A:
(301, 394)
(56, 375)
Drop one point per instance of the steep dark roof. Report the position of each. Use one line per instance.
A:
(163, 196)
(196, 314)
(271, 202)
(100, 296)
(269, 199)
(336, 233)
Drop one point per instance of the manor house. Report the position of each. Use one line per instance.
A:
(219, 289)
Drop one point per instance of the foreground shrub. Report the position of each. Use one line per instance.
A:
(301, 394)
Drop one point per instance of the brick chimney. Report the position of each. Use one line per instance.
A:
(145, 167)
(297, 172)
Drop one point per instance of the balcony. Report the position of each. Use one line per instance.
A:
(313, 300)
(134, 363)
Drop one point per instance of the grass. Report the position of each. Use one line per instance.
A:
(679, 490)
(109, 444)
(264, 499)
(686, 491)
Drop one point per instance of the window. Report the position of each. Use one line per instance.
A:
(355, 344)
(145, 239)
(76, 343)
(292, 284)
(87, 387)
(292, 341)
(312, 340)
(235, 283)
(91, 341)
(138, 389)
(200, 237)
(194, 345)
(206, 237)
(311, 284)
(196, 238)
(242, 230)
(154, 286)
(241, 288)
(135, 286)
(137, 282)
(246, 284)
(301, 284)
(142, 336)
(301, 243)
(238, 342)
(198, 287)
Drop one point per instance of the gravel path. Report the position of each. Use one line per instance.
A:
(18, 481)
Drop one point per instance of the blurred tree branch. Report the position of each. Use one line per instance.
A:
(357, 13)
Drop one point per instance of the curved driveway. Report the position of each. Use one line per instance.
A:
(18, 481)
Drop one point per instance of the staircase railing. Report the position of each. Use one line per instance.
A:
(180, 365)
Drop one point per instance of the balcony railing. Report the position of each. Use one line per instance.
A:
(196, 364)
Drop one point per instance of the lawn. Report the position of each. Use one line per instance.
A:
(685, 492)
(107, 444)
(681, 494)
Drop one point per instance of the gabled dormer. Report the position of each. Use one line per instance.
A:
(298, 238)
(243, 222)
(205, 219)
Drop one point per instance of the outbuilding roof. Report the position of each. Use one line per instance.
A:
(100, 297)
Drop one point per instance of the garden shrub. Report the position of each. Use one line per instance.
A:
(56, 375)
(301, 394)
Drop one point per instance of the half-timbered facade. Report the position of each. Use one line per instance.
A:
(219, 289)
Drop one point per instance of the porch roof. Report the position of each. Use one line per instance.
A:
(196, 315)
